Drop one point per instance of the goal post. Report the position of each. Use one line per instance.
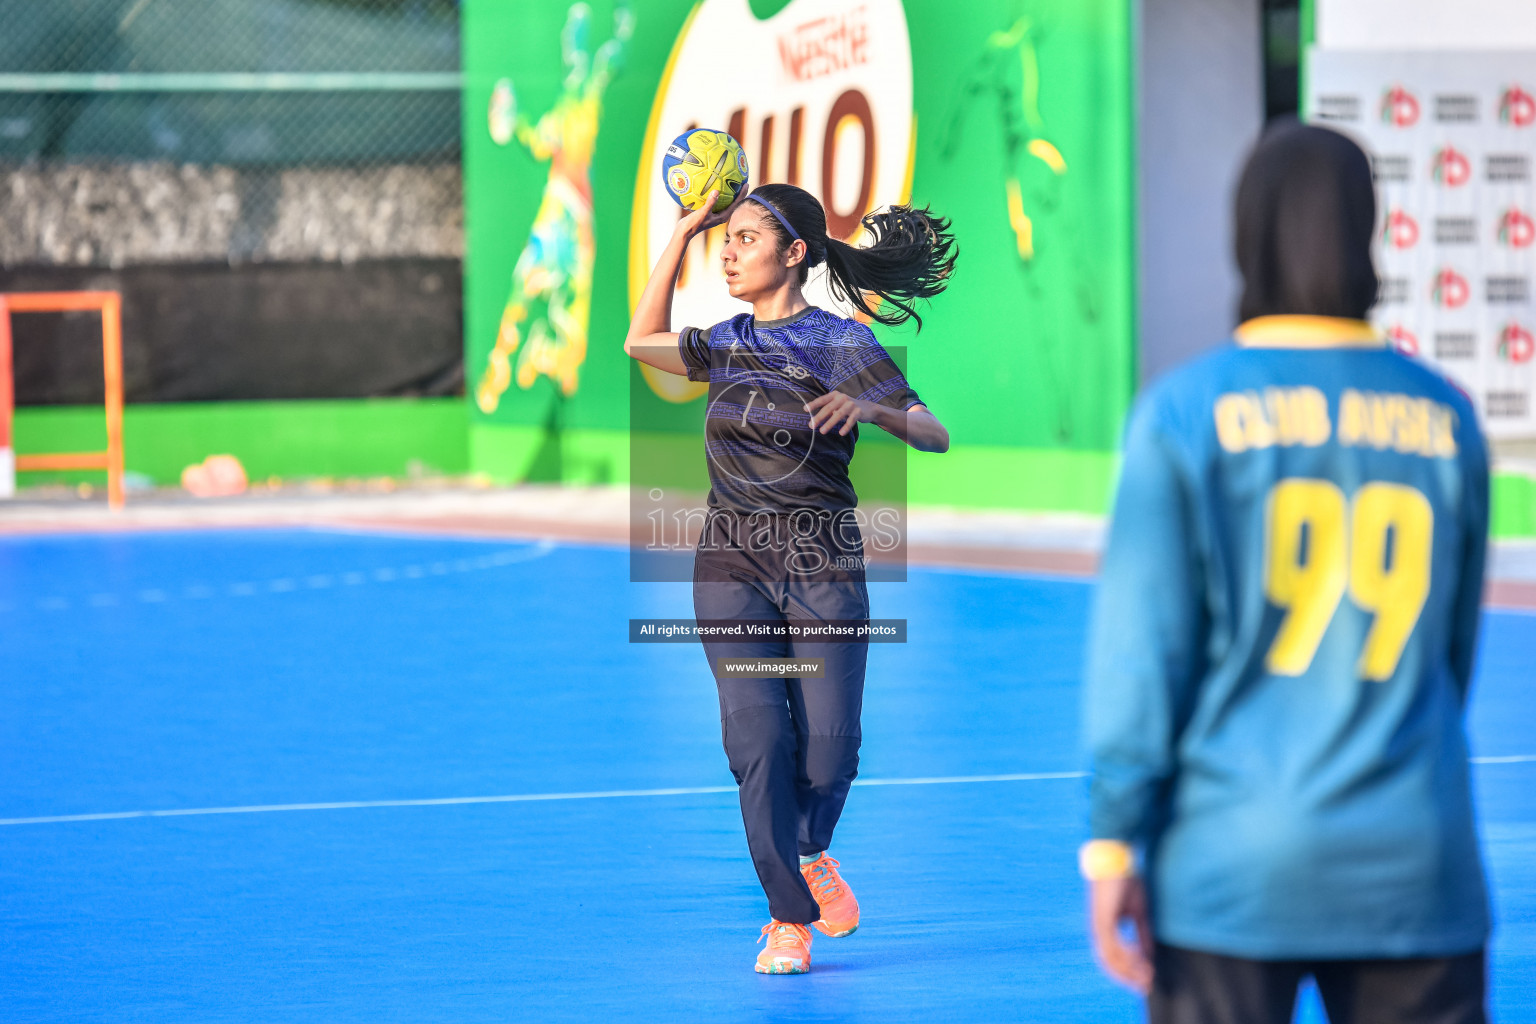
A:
(110, 306)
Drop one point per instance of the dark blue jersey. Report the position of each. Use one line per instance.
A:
(762, 452)
(1281, 649)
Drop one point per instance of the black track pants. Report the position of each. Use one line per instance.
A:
(1192, 987)
(792, 744)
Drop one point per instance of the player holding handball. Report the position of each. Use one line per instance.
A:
(788, 385)
(1282, 646)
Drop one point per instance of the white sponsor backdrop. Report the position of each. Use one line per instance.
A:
(819, 94)
(1438, 25)
(1453, 140)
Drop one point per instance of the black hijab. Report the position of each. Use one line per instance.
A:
(1306, 211)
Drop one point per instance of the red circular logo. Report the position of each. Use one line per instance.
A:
(1402, 231)
(1516, 345)
(1451, 167)
(1451, 289)
(1517, 107)
(1399, 108)
(1516, 230)
(1403, 340)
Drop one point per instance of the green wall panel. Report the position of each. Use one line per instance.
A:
(371, 437)
(1514, 506)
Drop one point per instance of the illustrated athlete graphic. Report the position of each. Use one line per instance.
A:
(551, 298)
(1007, 71)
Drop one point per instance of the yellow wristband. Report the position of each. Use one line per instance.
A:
(1102, 859)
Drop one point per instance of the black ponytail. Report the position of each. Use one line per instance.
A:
(910, 257)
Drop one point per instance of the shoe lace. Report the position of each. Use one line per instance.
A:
(784, 935)
(824, 881)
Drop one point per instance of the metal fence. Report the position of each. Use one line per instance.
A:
(147, 131)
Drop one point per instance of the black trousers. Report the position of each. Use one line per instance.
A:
(1191, 987)
(792, 744)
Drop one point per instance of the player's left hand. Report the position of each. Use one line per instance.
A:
(834, 408)
(1113, 902)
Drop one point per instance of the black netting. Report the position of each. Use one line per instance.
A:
(126, 36)
(274, 185)
(147, 98)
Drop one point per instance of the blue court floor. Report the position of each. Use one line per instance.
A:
(246, 674)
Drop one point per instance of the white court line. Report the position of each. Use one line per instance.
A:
(514, 798)
(602, 794)
(289, 584)
(939, 780)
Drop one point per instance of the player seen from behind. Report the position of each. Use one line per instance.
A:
(1282, 644)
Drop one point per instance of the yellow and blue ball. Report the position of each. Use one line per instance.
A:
(700, 160)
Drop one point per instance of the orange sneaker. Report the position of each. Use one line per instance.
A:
(839, 910)
(789, 949)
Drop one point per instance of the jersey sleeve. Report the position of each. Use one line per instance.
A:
(1473, 556)
(1146, 640)
(867, 372)
(693, 346)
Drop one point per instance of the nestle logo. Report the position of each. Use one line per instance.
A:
(1338, 108)
(1455, 230)
(1506, 403)
(1455, 345)
(825, 46)
(1508, 167)
(1456, 109)
(1392, 167)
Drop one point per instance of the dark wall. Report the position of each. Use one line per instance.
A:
(214, 332)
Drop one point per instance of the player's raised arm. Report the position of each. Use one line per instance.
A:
(651, 338)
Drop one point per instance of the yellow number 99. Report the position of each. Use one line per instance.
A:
(1395, 594)
(1306, 567)
(1384, 561)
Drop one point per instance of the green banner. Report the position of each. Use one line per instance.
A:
(1011, 118)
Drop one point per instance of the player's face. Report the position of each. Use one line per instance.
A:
(753, 264)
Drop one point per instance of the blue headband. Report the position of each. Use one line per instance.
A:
(775, 211)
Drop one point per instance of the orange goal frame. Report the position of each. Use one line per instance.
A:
(110, 305)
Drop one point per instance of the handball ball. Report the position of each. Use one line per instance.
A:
(699, 161)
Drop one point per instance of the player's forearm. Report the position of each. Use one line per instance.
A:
(1147, 638)
(925, 432)
(653, 313)
(918, 427)
(1134, 682)
(1122, 800)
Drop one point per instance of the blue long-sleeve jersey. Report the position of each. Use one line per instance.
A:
(1281, 648)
